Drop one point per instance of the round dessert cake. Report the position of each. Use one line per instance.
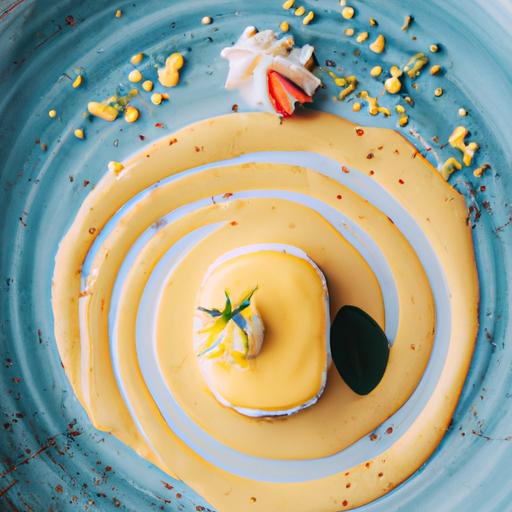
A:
(261, 246)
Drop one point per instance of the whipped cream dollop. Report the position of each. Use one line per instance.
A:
(270, 73)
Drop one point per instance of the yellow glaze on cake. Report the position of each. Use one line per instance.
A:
(291, 299)
(340, 417)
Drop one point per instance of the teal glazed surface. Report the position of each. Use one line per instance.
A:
(51, 458)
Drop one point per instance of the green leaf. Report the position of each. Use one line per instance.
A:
(245, 303)
(227, 308)
(359, 348)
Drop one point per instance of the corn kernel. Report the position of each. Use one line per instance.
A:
(348, 12)
(77, 82)
(300, 11)
(393, 85)
(376, 71)
(362, 37)
(479, 171)
(135, 75)
(206, 20)
(434, 48)
(407, 23)
(131, 114)
(79, 133)
(356, 107)
(147, 85)
(449, 167)
(284, 26)
(462, 112)
(288, 4)
(105, 112)
(309, 18)
(52, 113)
(115, 167)
(156, 98)
(438, 92)
(403, 120)
(119, 13)
(373, 22)
(137, 58)
(395, 71)
(435, 70)
(379, 44)
(349, 32)
(400, 109)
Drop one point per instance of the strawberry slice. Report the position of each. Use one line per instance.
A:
(282, 91)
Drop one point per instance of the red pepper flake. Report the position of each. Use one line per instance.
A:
(369, 156)
(227, 195)
(85, 183)
(234, 108)
(92, 231)
(168, 486)
(359, 132)
(483, 188)
(70, 20)
(159, 125)
(108, 468)
(372, 172)
(401, 181)
(339, 196)
(44, 147)
(16, 380)
(75, 433)
(59, 489)
(344, 169)
(389, 430)
(373, 437)
(173, 141)
(178, 495)
(142, 137)
(234, 223)
(199, 508)
(344, 503)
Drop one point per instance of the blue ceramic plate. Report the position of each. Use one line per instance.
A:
(51, 457)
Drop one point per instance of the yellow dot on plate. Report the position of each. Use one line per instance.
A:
(309, 18)
(52, 113)
(392, 85)
(79, 133)
(137, 58)
(400, 109)
(135, 76)
(206, 20)
(131, 114)
(156, 98)
(119, 13)
(438, 92)
(284, 26)
(147, 85)
(435, 70)
(434, 48)
(349, 32)
(115, 167)
(348, 12)
(403, 120)
(462, 112)
(300, 11)
(77, 82)
(356, 107)
(362, 37)
(376, 71)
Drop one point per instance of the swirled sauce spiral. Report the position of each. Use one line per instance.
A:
(388, 233)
